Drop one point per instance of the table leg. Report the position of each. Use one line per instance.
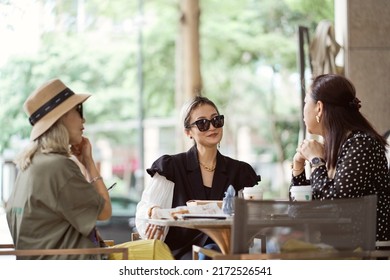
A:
(221, 237)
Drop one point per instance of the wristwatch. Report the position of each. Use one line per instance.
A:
(316, 162)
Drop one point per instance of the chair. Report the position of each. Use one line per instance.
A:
(9, 250)
(65, 252)
(328, 229)
(8, 246)
(135, 236)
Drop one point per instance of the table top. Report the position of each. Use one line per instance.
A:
(217, 223)
(220, 229)
(194, 223)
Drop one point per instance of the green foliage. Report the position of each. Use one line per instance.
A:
(238, 40)
(314, 10)
(99, 62)
(15, 85)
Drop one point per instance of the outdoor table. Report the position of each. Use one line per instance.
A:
(217, 229)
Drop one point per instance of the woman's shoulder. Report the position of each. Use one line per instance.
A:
(246, 170)
(168, 159)
(56, 163)
(165, 165)
(51, 159)
(359, 136)
(236, 162)
(363, 140)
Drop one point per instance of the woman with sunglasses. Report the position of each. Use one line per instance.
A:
(201, 173)
(59, 194)
(52, 204)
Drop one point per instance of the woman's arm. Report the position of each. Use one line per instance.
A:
(83, 153)
(158, 194)
(353, 171)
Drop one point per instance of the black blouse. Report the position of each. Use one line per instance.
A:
(183, 170)
(361, 169)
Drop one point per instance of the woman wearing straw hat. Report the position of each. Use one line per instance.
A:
(53, 205)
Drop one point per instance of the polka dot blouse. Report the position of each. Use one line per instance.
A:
(361, 169)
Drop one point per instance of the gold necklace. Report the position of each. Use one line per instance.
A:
(210, 169)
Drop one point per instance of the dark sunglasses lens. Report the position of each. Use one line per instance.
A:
(203, 125)
(79, 109)
(218, 121)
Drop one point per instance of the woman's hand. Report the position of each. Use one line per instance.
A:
(298, 164)
(298, 159)
(310, 149)
(154, 232)
(307, 150)
(83, 152)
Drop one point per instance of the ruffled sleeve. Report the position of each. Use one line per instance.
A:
(164, 167)
(248, 175)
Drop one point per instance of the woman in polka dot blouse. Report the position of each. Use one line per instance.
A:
(351, 161)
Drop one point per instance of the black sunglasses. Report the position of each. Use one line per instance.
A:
(79, 109)
(204, 124)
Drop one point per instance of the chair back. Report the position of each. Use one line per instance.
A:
(64, 254)
(284, 226)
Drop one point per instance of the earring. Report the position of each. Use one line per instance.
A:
(219, 145)
(318, 119)
(190, 137)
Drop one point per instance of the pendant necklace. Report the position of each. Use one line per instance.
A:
(209, 169)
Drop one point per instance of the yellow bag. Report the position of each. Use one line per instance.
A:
(149, 249)
(294, 245)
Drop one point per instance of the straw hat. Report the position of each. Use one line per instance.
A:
(48, 103)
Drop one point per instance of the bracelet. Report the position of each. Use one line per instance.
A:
(150, 211)
(95, 179)
(296, 170)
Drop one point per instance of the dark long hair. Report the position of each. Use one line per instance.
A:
(341, 113)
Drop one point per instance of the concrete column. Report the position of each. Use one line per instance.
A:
(363, 29)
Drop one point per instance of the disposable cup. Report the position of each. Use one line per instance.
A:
(253, 193)
(301, 193)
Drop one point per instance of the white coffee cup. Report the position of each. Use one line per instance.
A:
(301, 193)
(254, 193)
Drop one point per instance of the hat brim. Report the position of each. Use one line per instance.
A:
(50, 118)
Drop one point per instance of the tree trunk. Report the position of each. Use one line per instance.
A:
(188, 76)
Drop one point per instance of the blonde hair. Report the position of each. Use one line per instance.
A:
(55, 140)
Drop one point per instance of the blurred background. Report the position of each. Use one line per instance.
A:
(142, 59)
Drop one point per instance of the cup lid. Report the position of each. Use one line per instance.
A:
(301, 188)
(253, 190)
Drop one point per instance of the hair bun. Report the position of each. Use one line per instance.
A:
(355, 103)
